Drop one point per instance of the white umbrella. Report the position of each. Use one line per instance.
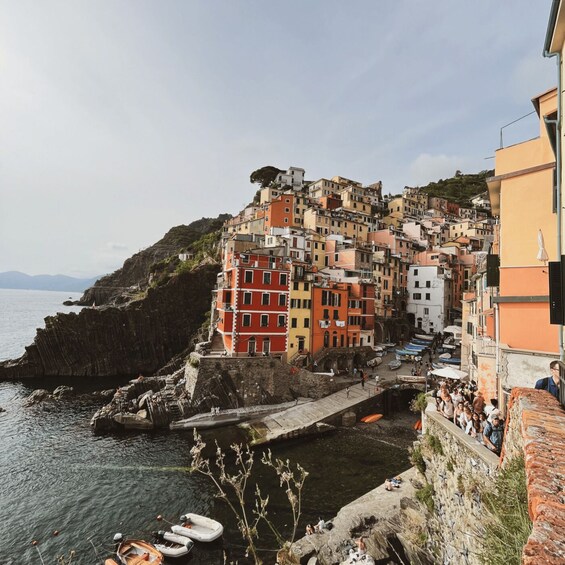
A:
(455, 330)
(450, 373)
(542, 253)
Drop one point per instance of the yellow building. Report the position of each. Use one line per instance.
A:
(299, 317)
(330, 222)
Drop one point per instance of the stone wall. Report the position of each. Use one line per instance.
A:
(536, 428)
(233, 382)
(458, 470)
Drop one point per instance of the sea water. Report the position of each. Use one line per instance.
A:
(56, 475)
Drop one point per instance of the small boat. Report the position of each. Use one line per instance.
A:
(452, 361)
(415, 346)
(421, 342)
(394, 364)
(424, 337)
(199, 528)
(371, 418)
(445, 356)
(138, 552)
(411, 379)
(448, 346)
(173, 545)
(374, 362)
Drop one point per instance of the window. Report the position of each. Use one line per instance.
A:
(282, 299)
(283, 279)
(426, 311)
(266, 277)
(428, 284)
(306, 286)
(415, 272)
(248, 276)
(417, 296)
(295, 302)
(293, 322)
(245, 258)
(307, 303)
(336, 314)
(281, 321)
(427, 296)
(417, 284)
(246, 320)
(265, 299)
(247, 298)
(295, 286)
(306, 322)
(326, 314)
(264, 320)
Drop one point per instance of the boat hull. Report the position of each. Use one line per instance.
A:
(201, 528)
(371, 418)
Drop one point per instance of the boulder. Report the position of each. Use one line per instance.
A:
(37, 396)
(133, 421)
(63, 392)
(2, 409)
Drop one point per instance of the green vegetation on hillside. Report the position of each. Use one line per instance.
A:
(507, 521)
(459, 188)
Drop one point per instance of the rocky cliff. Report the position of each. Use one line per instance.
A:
(139, 337)
(141, 318)
(140, 270)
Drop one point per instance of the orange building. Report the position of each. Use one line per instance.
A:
(522, 195)
(329, 316)
(280, 213)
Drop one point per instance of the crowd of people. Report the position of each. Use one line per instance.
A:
(467, 408)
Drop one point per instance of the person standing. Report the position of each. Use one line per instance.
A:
(551, 383)
(493, 435)
(362, 376)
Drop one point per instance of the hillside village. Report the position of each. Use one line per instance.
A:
(312, 266)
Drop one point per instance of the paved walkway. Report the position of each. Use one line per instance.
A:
(303, 418)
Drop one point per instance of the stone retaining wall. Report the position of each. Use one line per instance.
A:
(233, 382)
(458, 469)
(536, 428)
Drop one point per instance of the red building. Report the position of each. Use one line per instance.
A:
(252, 303)
(329, 316)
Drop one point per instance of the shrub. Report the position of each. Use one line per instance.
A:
(435, 444)
(425, 496)
(507, 521)
(417, 459)
(419, 403)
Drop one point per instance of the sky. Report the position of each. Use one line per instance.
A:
(121, 119)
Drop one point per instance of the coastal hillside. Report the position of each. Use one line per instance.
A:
(460, 188)
(135, 275)
(146, 313)
(21, 281)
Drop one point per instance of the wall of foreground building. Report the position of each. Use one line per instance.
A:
(459, 472)
(535, 427)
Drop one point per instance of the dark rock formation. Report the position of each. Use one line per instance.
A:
(138, 337)
(137, 272)
(144, 404)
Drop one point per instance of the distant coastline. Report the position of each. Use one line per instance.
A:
(20, 281)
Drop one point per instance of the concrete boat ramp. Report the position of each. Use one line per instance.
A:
(313, 417)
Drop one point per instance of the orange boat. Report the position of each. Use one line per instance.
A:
(138, 552)
(371, 418)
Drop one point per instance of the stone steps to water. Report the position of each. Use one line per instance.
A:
(302, 418)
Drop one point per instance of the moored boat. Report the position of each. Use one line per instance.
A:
(199, 528)
(137, 552)
(394, 364)
(424, 337)
(173, 545)
(411, 379)
(371, 418)
(452, 361)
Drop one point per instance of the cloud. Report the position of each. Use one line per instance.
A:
(426, 168)
(532, 69)
(116, 246)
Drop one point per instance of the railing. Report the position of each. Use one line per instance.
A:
(562, 383)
